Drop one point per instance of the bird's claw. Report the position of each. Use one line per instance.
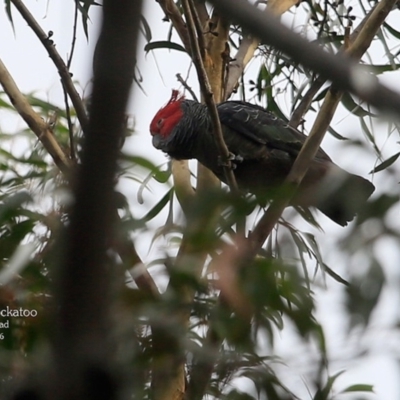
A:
(231, 161)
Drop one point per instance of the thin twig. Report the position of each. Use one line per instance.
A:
(199, 29)
(183, 188)
(186, 86)
(73, 42)
(34, 121)
(208, 97)
(245, 53)
(70, 125)
(66, 102)
(57, 60)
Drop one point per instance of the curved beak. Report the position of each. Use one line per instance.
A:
(157, 141)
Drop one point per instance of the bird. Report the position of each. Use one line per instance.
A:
(263, 149)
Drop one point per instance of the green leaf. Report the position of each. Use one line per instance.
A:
(34, 159)
(358, 388)
(385, 164)
(145, 28)
(321, 95)
(336, 135)
(8, 11)
(45, 105)
(159, 176)
(392, 31)
(163, 44)
(158, 207)
(324, 393)
(84, 9)
(353, 107)
(369, 135)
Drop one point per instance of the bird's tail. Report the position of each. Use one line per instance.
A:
(343, 195)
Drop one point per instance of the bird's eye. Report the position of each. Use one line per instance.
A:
(160, 122)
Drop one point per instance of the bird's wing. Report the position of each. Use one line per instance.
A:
(262, 127)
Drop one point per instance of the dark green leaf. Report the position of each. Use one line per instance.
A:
(392, 31)
(158, 207)
(323, 394)
(159, 176)
(358, 388)
(336, 135)
(8, 11)
(369, 135)
(84, 9)
(164, 44)
(145, 28)
(353, 107)
(321, 95)
(385, 164)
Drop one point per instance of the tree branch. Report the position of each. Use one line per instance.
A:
(186, 86)
(249, 45)
(306, 101)
(183, 188)
(199, 29)
(340, 69)
(172, 12)
(129, 256)
(180, 169)
(82, 349)
(202, 12)
(208, 97)
(35, 122)
(245, 53)
(217, 53)
(57, 60)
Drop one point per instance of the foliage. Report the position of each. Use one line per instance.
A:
(194, 320)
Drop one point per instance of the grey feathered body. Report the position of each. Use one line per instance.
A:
(267, 147)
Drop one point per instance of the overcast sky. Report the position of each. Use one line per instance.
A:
(32, 70)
